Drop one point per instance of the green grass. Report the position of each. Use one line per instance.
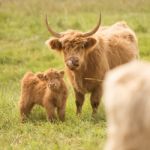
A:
(22, 48)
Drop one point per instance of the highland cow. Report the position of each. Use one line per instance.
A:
(127, 103)
(46, 89)
(88, 56)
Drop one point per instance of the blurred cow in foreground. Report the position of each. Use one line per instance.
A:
(88, 56)
(127, 102)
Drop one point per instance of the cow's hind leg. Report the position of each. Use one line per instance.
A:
(79, 101)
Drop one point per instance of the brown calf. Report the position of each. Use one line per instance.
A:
(46, 89)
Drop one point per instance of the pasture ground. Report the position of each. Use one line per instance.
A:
(22, 48)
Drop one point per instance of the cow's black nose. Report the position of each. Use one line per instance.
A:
(73, 62)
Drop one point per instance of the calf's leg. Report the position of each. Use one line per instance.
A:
(25, 109)
(61, 113)
(50, 109)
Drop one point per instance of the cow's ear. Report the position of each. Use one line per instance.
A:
(54, 44)
(90, 42)
(61, 73)
(40, 76)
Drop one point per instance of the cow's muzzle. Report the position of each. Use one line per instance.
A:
(72, 63)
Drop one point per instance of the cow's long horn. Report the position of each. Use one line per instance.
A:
(55, 34)
(95, 29)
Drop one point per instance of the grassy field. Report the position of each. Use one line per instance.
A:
(22, 48)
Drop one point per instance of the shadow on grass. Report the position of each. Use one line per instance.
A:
(38, 115)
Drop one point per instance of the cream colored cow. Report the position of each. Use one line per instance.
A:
(127, 102)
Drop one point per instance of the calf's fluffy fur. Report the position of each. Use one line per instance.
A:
(46, 89)
(127, 102)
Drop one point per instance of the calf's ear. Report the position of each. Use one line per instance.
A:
(54, 44)
(61, 73)
(90, 42)
(40, 76)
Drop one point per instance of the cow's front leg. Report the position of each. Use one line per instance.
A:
(95, 99)
(79, 101)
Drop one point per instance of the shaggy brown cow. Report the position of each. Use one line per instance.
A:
(46, 89)
(88, 56)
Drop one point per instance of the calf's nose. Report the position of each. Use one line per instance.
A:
(52, 84)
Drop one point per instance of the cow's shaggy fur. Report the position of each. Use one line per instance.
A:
(46, 89)
(89, 58)
(127, 102)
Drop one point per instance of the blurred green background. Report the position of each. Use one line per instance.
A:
(22, 37)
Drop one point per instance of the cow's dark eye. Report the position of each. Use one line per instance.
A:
(57, 76)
